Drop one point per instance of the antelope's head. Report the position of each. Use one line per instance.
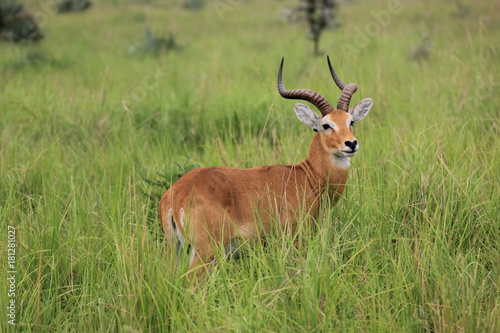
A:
(335, 126)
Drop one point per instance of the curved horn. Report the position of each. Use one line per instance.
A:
(307, 95)
(347, 89)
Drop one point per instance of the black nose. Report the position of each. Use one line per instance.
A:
(351, 144)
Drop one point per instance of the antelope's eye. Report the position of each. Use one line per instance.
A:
(326, 127)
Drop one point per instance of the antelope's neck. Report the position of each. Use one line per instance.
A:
(323, 169)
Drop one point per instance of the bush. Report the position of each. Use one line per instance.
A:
(154, 44)
(16, 24)
(193, 4)
(66, 6)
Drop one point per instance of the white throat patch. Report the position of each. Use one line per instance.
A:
(341, 161)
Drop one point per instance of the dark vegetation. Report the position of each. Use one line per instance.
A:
(16, 24)
(65, 6)
(319, 15)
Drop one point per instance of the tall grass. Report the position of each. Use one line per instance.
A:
(411, 246)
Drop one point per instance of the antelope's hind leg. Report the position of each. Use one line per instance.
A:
(192, 239)
(202, 255)
(190, 242)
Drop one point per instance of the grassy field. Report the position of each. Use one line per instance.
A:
(91, 132)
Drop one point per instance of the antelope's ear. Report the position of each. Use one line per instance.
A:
(307, 116)
(360, 110)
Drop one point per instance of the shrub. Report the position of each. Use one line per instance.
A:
(16, 24)
(65, 6)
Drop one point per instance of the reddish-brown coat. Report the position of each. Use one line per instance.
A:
(221, 203)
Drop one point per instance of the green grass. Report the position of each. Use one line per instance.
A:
(413, 245)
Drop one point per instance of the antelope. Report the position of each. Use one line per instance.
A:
(214, 206)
